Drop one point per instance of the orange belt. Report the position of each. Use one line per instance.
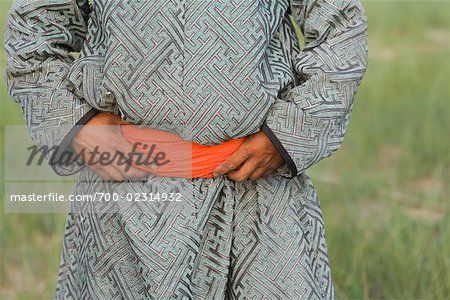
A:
(181, 158)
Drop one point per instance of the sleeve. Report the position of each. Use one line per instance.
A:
(310, 123)
(39, 39)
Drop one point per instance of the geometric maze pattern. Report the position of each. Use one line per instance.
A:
(311, 120)
(208, 71)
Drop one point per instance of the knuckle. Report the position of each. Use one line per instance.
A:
(254, 177)
(119, 179)
(232, 176)
(115, 139)
(94, 167)
(273, 167)
(230, 166)
(257, 163)
(239, 178)
(247, 150)
(106, 177)
(123, 174)
(135, 174)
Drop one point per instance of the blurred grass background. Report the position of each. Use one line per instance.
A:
(384, 195)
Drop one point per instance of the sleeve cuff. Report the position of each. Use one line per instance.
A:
(276, 142)
(64, 147)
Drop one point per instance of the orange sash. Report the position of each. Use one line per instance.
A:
(174, 156)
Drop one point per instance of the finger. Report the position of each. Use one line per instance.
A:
(244, 172)
(258, 173)
(105, 175)
(232, 163)
(123, 165)
(130, 153)
(132, 173)
(267, 172)
(115, 165)
(121, 144)
(109, 171)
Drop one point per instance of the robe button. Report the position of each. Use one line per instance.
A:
(204, 187)
(108, 94)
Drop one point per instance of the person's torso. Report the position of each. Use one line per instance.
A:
(206, 70)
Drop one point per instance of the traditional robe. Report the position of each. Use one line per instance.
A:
(208, 71)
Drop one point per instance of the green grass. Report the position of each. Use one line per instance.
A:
(384, 194)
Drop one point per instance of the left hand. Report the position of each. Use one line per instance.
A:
(256, 157)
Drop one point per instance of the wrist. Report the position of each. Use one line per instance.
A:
(66, 143)
(278, 145)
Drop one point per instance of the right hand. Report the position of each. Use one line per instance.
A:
(102, 134)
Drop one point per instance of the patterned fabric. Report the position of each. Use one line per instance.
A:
(209, 71)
